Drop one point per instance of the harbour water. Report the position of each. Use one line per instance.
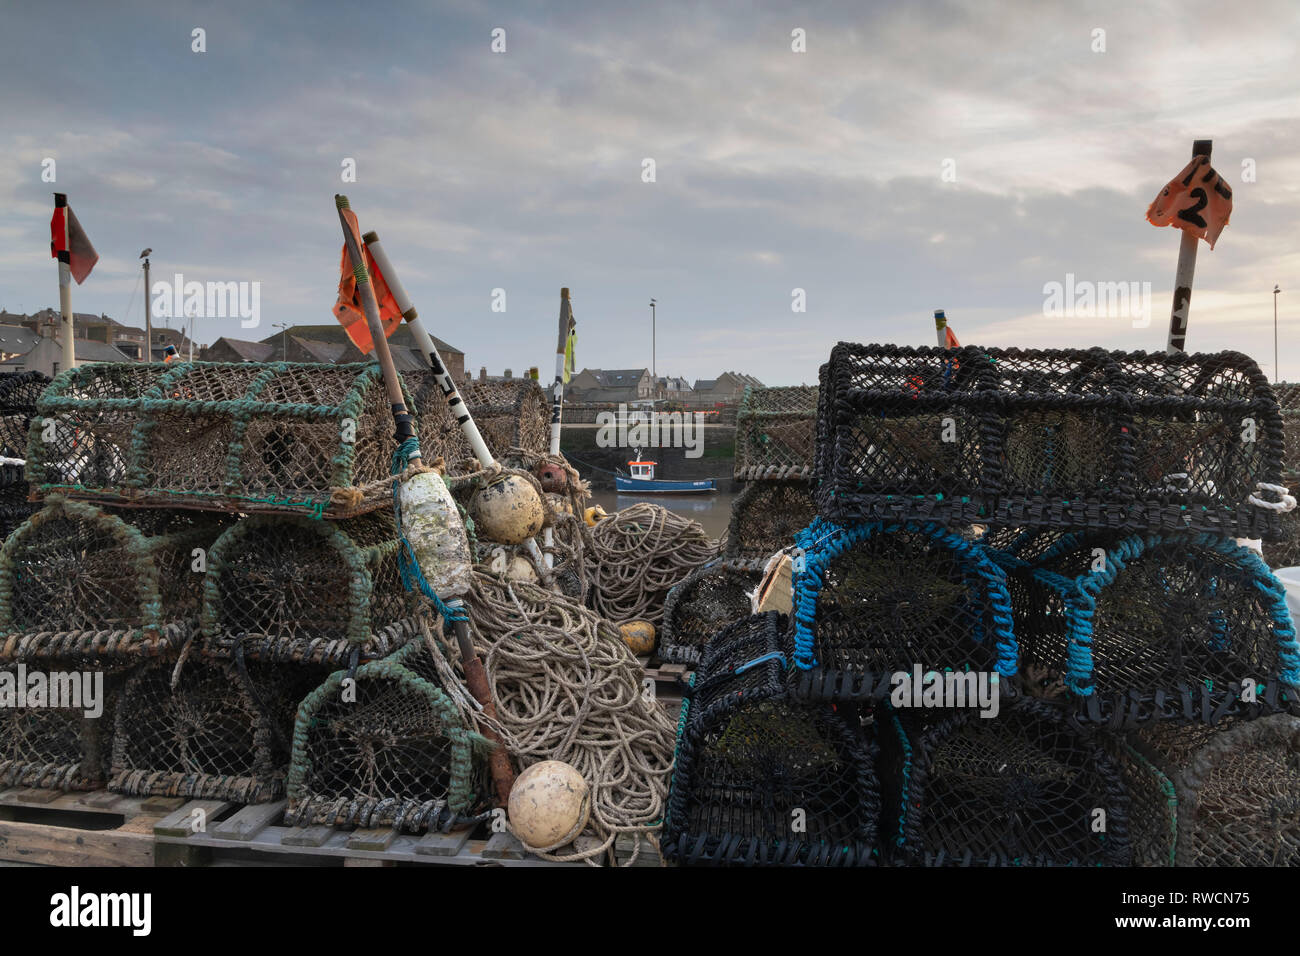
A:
(711, 511)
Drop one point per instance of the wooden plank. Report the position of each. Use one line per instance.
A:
(251, 820)
(162, 804)
(375, 839)
(351, 861)
(100, 799)
(443, 844)
(180, 822)
(33, 795)
(72, 846)
(306, 836)
(503, 846)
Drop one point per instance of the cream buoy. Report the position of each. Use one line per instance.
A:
(549, 804)
(508, 510)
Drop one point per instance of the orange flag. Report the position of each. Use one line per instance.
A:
(1196, 200)
(348, 307)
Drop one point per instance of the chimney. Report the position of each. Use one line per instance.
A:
(534, 374)
(482, 373)
(507, 373)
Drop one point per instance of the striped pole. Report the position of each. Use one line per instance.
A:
(1184, 273)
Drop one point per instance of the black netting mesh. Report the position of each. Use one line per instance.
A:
(80, 579)
(700, 606)
(18, 394)
(1153, 811)
(875, 601)
(1238, 788)
(761, 779)
(1020, 789)
(278, 437)
(396, 754)
(311, 589)
(58, 747)
(765, 517)
(222, 731)
(511, 414)
(1174, 630)
(776, 430)
(1131, 441)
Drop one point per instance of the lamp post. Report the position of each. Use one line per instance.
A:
(654, 371)
(284, 339)
(148, 316)
(1276, 290)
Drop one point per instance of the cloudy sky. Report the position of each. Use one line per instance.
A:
(774, 170)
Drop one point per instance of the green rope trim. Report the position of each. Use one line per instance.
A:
(1171, 797)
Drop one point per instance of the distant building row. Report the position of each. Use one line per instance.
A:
(629, 385)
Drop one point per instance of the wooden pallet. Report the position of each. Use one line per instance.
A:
(79, 829)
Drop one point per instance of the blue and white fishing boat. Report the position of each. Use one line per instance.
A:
(641, 480)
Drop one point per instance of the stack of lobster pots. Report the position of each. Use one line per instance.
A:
(213, 541)
(1033, 597)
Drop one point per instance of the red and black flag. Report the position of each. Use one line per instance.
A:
(68, 241)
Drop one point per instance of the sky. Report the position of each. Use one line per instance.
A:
(913, 156)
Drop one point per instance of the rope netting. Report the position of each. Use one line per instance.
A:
(80, 580)
(390, 750)
(776, 430)
(208, 729)
(871, 600)
(701, 605)
(63, 747)
(1238, 789)
(1064, 438)
(761, 779)
(567, 688)
(514, 414)
(14, 506)
(280, 437)
(765, 517)
(1024, 788)
(1178, 627)
(637, 555)
(285, 586)
(1153, 814)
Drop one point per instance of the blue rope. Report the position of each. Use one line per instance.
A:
(412, 577)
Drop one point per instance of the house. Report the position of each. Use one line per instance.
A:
(727, 388)
(674, 389)
(86, 325)
(611, 386)
(166, 336)
(46, 356)
(238, 350)
(15, 340)
(322, 340)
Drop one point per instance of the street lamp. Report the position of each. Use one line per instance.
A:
(1276, 290)
(148, 319)
(284, 339)
(654, 372)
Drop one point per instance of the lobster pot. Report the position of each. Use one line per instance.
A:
(873, 599)
(398, 756)
(291, 588)
(701, 605)
(220, 730)
(57, 735)
(1238, 789)
(1285, 552)
(1023, 788)
(761, 779)
(1156, 627)
(765, 517)
(18, 394)
(511, 414)
(776, 430)
(247, 437)
(78, 580)
(1057, 438)
(1288, 400)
